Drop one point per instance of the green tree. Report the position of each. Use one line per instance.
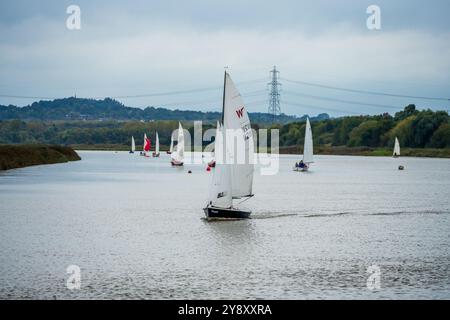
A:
(366, 134)
(441, 137)
(424, 125)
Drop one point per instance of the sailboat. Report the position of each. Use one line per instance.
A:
(133, 145)
(308, 158)
(396, 152)
(212, 163)
(147, 145)
(156, 152)
(178, 156)
(171, 145)
(231, 180)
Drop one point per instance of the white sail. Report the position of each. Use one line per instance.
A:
(235, 118)
(396, 148)
(171, 144)
(216, 143)
(308, 145)
(157, 144)
(133, 145)
(178, 155)
(220, 190)
(220, 194)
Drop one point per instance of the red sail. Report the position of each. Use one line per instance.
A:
(147, 145)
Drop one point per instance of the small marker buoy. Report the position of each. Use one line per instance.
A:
(208, 168)
(401, 167)
(189, 171)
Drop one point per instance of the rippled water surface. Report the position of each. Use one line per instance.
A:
(134, 226)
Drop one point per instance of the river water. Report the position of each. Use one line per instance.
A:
(351, 228)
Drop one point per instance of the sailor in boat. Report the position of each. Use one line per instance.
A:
(301, 165)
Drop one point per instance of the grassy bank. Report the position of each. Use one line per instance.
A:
(19, 156)
(324, 150)
(112, 147)
(367, 151)
(103, 147)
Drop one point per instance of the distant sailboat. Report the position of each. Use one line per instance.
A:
(308, 157)
(231, 181)
(156, 152)
(133, 145)
(147, 145)
(171, 145)
(177, 158)
(396, 152)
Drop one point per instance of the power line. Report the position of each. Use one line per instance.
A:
(341, 100)
(143, 95)
(26, 97)
(167, 93)
(364, 91)
(317, 107)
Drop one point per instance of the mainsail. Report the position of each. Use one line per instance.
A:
(218, 146)
(396, 148)
(236, 124)
(178, 155)
(171, 144)
(133, 145)
(146, 143)
(220, 188)
(157, 144)
(308, 145)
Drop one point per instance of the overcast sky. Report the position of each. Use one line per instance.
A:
(142, 47)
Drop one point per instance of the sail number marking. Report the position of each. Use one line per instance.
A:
(247, 129)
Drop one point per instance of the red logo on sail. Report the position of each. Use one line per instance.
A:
(240, 112)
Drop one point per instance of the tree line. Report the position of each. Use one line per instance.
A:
(414, 128)
(110, 109)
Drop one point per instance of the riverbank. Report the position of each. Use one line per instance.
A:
(323, 150)
(19, 156)
(367, 151)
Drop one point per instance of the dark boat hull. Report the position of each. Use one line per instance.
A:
(212, 164)
(176, 163)
(221, 213)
